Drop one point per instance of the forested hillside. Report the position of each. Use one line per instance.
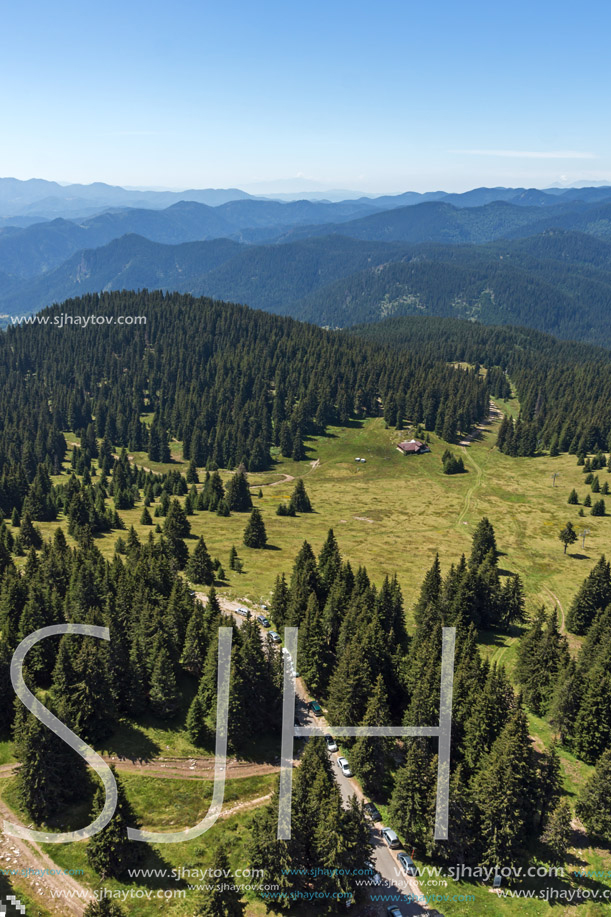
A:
(224, 380)
(564, 389)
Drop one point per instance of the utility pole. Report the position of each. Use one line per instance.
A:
(583, 538)
(554, 476)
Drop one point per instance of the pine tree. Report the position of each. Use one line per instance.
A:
(199, 566)
(549, 778)
(329, 561)
(565, 701)
(484, 542)
(567, 535)
(370, 755)
(197, 728)
(91, 698)
(412, 802)
(192, 477)
(430, 592)
(558, 830)
(238, 493)
(593, 595)
(300, 501)
(542, 653)
(592, 728)
(254, 699)
(164, 691)
(30, 535)
(224, 899)
(110, 852)
(145, 518)
(573, 497)
(176, 524)
(298, 452)
(51, 773)
(313, 654)
(255, 535)
(505, 792)
(196, 642)
(279, 603)
(594, 800)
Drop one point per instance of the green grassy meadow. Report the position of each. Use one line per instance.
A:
(395, 512)
(390, 514)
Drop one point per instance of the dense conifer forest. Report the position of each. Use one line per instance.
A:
(225, 381)
(232, 387)
(564, 388)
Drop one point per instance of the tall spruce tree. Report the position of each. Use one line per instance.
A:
(110, 852)
(255, 535)
(594, 800)
(199, 566)
(371, 755)
(164, 690)
(300, 501)
(505, 792)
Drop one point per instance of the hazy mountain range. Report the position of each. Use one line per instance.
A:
(539, 258)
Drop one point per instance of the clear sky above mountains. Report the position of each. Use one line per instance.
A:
(383, 96)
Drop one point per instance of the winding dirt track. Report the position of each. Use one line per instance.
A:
(22, 855)
(19, 854)
(559, 604)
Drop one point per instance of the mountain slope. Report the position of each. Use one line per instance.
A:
(504, 283)
(130, 262)
(268, 277)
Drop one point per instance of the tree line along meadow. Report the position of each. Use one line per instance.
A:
(235, 388)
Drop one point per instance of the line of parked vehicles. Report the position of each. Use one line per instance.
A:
(263, 621)
(371, 810)
(389, 836)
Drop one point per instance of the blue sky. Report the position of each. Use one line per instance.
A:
(380, 96)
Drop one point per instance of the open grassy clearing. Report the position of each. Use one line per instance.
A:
(160, 810)
(394, 513)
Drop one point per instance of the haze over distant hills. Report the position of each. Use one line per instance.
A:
(497, 255)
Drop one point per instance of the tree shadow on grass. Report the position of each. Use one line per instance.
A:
(129, 742)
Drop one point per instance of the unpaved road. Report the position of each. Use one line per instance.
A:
(395, 883)
(177, 768)
(22, 855)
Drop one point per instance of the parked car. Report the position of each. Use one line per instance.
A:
(242, 611)
(390, 837)
(263, 621)
(274, 637)
(376, 878)
(263, 606)
(407, 864)
(343, 765)
(331, 743)
(393, 911)
(315, 708)
(372, 811)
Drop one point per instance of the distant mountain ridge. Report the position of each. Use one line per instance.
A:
(38, 199)
(557, 281)
(538, 258)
